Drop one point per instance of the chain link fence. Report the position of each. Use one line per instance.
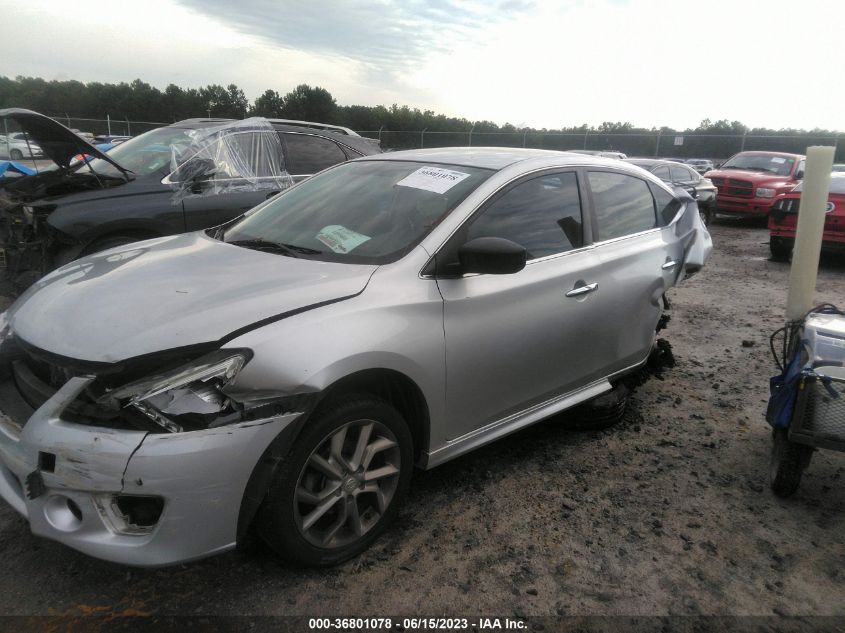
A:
(652, 144)
(115, 126)
(649, 144)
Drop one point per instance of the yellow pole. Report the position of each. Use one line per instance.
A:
(808, 237)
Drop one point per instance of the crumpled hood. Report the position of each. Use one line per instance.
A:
(58, 142)
(170, 292)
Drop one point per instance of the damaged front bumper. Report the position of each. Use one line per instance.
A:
(127, 496)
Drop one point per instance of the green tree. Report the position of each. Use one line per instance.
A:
(270, 105)
(305, 103)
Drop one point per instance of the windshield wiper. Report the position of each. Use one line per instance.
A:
(291, 250)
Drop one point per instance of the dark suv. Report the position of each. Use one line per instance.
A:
(128, 194)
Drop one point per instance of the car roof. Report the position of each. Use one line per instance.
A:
(495, 158)
(362, 144)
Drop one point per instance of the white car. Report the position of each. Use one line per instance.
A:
(15, 147)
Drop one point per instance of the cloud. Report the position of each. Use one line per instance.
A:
(390, 35)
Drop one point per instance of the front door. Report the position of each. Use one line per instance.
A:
(520, 339)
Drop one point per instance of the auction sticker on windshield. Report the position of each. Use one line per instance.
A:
(340, 239)
(434, 179)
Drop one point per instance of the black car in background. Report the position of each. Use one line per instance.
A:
(681, 175)
(130, 194)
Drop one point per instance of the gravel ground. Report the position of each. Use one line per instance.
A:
(667, 513)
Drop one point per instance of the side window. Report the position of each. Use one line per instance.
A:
(662, 173)
(542, 214)
(623, 204)
(308, 154)
(667, 204)
(681, 174)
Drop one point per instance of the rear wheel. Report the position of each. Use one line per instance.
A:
(788, 461)
(341, 485)
(603, 411)
(706, 213)
(780, 247)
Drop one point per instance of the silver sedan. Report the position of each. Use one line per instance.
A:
(290, 368)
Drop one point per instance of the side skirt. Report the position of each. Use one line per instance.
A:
(510, 424)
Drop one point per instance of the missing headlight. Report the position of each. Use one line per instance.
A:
(187, 398)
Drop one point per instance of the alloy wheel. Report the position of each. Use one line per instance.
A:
(347, 484)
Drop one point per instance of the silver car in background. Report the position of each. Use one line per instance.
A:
(290, 368)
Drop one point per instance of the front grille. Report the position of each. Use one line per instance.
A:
(37, 380)
(819, 416)
(734, 187)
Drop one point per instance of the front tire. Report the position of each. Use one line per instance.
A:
(342, 483)
(16, 154)
(706, 212)
(781, 248)
(788, 461)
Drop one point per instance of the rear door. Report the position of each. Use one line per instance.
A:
(637, 261)
(516, 340)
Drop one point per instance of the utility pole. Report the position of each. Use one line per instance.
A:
(586, 134)
(657, 149)
(470, 134)
(422, 138)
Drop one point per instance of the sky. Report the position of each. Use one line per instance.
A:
(776, 64)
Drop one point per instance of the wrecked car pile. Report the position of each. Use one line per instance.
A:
(187, 176)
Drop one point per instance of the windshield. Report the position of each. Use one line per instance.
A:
(368, 212)
(145, 154)
(780, 165)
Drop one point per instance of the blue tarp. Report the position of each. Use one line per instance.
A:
(15, 168)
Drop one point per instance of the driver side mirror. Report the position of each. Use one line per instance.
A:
(799, 174)
(194, 171)
(492, 255)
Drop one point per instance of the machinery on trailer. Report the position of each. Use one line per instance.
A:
(807, 407)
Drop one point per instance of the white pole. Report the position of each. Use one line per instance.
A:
(808, 237)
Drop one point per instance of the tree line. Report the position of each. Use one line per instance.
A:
(401, 126)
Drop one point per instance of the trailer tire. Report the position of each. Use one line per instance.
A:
(788, 461)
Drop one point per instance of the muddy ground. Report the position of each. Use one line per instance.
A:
(667, 513)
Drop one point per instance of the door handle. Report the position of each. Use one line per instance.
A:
(668, 265)
(582, 290)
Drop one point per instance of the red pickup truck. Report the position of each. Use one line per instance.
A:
(748, 182)
(783, 220)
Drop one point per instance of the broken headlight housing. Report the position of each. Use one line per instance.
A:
(187, 398)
